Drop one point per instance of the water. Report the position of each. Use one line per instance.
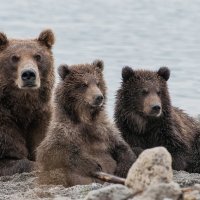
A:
(140, 33)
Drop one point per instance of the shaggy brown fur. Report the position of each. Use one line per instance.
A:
(147, 119)
(81, 139)
(26, 82)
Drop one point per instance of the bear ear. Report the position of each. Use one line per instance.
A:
(63, 71)
(127, 73)
(164, 72)
(99, 64)
(3, 40)
(47, 38)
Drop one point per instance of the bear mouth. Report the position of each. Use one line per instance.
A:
(97, 105)
(29, 85)
(155, 114)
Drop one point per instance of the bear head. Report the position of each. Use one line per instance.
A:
(145, 92)
(82, 91)
(26, 65)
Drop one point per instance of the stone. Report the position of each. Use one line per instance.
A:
(161, 191)
(153, 166)
(111, 192)
(192, 193)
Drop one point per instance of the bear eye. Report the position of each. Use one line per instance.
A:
(83, 85)
(15, 58)
(145, 91)
(38, 57)
(158, 93)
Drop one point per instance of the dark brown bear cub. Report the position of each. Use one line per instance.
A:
(26, 82)
(81, 140)
(146, 118)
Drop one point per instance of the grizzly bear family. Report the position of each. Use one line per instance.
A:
(81, 140)
(74, 137)
(146, 118)
(26, 82)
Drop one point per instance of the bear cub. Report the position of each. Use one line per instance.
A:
(26, 82)
(146, 118)
(81, 139)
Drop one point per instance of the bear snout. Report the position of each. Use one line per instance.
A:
(28, 75)
(152, 106)
(29, 78)
(98, 100)
(94, 96)
(155, 110)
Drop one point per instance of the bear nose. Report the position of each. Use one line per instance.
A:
(98, 99)
(28, 75)
(156, 108)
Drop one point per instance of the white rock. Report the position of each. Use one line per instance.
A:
(152, 167)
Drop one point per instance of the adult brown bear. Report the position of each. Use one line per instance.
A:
(146, 118)
(26, 82)
(81, 139)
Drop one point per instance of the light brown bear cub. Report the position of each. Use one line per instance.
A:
(26, 82)
(81, 140)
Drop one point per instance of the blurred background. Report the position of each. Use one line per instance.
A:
(140, 33)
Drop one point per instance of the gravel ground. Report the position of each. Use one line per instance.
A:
(24, 187)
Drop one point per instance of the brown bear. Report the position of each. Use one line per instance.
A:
(81, 139)
(146, 118)
(26, 82)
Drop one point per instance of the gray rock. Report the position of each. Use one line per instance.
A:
(196, 187)
(112, 192)
(185, 179)
(153, 166)
(161, 191)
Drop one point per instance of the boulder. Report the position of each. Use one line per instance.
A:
(153, 166)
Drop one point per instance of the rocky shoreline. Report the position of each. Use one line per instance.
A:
(23, 187)
(154, 183)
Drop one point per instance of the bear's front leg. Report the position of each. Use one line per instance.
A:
(137, 150)
(83, 163)
(37, 131)
(13, 151)
(179, 160)
(124, 157)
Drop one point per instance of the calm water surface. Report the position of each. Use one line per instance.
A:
(142, 34)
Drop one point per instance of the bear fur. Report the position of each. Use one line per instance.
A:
(81, 139)
(26, 82)
(146, 118)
